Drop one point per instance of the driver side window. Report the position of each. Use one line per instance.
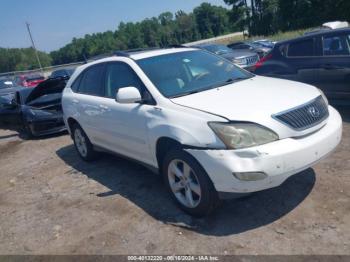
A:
(120, 75)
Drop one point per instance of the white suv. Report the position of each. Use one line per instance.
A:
(211, 129)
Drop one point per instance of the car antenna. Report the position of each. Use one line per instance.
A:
(85, 59)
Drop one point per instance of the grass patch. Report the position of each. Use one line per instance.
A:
(276, 37)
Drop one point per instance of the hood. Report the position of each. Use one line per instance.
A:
(49, 86)
(238, 54)
(252, 100)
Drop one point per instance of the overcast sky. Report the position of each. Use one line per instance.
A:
(55, 23)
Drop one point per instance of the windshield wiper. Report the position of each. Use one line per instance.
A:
(231, 80)
(187, 93)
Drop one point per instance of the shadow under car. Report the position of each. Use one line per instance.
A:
(145, 189)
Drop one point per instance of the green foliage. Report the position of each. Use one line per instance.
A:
(259, 17)
(211, 20)
(17, 59)
(265, 17)
(166, 29)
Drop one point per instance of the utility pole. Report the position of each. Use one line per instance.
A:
(33, 45)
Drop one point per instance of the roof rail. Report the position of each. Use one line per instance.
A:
(127, 53)
(121, 53)
(176, 46)
(98, 57)
(141, 49)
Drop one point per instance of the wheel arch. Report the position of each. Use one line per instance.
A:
(70, 122)
(163, 145)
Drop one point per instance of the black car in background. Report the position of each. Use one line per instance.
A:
(65, 72)
(250, 46)
(35, 111)
(321, 59)
(243, 58)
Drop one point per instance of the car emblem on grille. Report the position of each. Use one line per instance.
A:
(313, 111)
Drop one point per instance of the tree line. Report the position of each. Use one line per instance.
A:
(167, 29)
(19, 59)
(267, 17)
(258, 17)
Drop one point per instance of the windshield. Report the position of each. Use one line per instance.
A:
(218, 49)
(184, 73)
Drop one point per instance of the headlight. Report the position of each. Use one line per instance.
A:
(324, 96)
(242, 135)
(238, 61)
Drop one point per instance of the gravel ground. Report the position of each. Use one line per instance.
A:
(51, 202)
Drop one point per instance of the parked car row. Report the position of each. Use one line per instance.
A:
(245, 54)
(244, 58)
(32, 80)
(321, 59)
(255, 47)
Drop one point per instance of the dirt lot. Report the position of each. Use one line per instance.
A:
(53, 203)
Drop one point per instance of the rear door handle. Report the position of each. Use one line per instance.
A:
(331, 67)
(75, 101)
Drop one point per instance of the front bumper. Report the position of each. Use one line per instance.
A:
(278, 160)
(47, 127)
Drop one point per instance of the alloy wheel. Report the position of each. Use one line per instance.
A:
(184, 183)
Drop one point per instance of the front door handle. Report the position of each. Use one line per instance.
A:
(75, 101)
(103, 107)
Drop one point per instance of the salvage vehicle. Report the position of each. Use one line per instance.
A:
(250, 46)
(321, 59)
(65, 72)
(31, 80)
(34, 111)
(212, 129)
(244, 58)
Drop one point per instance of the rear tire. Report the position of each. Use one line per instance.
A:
(82, 144)
(188, 183)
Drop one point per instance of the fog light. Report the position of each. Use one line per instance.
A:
(250, 176)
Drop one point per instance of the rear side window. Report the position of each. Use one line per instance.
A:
(336, 45)
(91, 81)
(301, 48)
(283, 50)
(120, 75)
(75, 85)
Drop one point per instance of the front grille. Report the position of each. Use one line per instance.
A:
(252, 60)
(304, 116)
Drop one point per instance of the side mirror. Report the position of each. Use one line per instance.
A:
(8, 103)
(128, 95)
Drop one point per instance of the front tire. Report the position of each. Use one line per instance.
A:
(25, 132)
(82, 144)
(189, 184)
